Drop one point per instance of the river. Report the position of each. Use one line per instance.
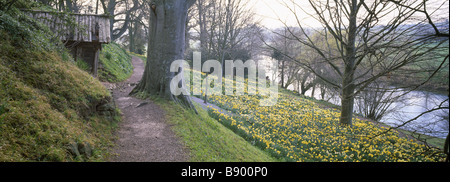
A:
(409, 106)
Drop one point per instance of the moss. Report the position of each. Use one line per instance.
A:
(83, 65)
(116, 63)
(47, 102)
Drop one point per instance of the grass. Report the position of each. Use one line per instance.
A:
(142, 57)
(116, 63)
(208, 140)
(433, 141)
(46, 101)
(301, 129)
(296, 129)
(423, 69)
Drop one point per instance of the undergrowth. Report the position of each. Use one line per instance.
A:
(46, 102)
(116, 63)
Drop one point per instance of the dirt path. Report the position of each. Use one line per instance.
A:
(204, 106)
(143, 135)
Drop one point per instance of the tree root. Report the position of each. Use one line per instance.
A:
(184, 101)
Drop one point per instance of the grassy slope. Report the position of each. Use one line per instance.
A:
(46, 102)
(302, 129)
(116, 63)
(297, 129)
(434, 141)
(423, 70)
(208, 140)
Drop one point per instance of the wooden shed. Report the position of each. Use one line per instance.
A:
(83, 35)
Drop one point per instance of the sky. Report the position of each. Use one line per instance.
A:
(270, 12)
(273, 12)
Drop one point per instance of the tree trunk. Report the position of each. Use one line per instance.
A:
(131, 37)
(69, 6)
(96, 7)
(282, 74)
(447, 148)
(111, 10)
(202, 24)
(61, 5)
(348, 87)
(322, 91)
(166, 44)
(347, 102)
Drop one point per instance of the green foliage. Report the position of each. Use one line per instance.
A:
(24, 32)
(116, 63)
(83, 65)
(3, 108)
(7, 5)
(420, 71)
(46, 101)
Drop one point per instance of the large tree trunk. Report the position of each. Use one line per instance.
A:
(166, 44)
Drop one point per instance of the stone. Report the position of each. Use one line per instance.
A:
(85, 149)
(73, 149)
(106, 107)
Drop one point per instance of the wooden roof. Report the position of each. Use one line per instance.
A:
(91, 28)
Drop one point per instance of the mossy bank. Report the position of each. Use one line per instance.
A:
(115, 63)
(50, 110)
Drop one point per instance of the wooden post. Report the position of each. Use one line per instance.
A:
(206, 91)
(95, 67)
(78, 53)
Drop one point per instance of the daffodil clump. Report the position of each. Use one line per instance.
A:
(296, 129)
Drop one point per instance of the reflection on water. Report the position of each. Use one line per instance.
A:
(404, 109)
(408, 107)
(435, 123)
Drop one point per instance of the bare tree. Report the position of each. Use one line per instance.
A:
(376, 100)
(120, 15)
(438, 34)
(223, 27)
(137, 34)
(372, 38)
(284, 44)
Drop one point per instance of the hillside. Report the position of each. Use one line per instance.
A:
(303, 130)
(204, 138)
(50, 110)
(53, 110)
(115, 63)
